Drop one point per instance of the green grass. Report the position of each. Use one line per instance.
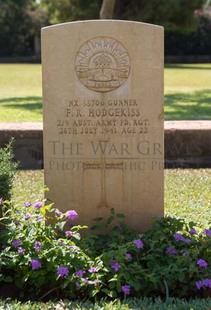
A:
(188, 194)
(28, 186)
(186, 78)
(187, 92)
(130, 304)
(20, 93)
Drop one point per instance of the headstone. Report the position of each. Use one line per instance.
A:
(103, 119)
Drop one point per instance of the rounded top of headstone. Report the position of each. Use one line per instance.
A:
(101, 21)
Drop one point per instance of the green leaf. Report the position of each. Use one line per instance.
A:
(61, 225)
(110, 293)
(120, 215)
(8, 279)
(77, 236)
(112, 211)
(110, 220)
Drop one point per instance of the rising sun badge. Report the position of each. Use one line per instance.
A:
(102, 64)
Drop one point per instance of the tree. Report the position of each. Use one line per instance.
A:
(70, 10)
(172, 14)
(20, 22)
(107, 9)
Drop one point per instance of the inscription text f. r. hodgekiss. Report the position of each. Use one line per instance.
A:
(102, 112)
(111, 116)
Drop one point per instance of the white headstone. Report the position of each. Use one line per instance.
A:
(103, 119)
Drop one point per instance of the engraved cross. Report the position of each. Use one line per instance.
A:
(103, 166)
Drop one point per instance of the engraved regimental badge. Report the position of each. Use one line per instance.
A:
(102, 64)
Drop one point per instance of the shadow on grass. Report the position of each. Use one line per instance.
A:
(178, 106)
(188, 106)
(181, 66)
(23, 103)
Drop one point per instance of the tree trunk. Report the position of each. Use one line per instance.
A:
(107, 9)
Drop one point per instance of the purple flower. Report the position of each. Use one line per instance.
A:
(1, 201)
(35, 264)
(126, 289)
(39, 218)
(38, 205)
(178, 237)
(115, 265)
(68, 233)
(171, 251)
(187, 240)
(37, 246)
(92, 269)
(61, 242)
(27, 204)
(199, 284)
(79, 273)
(27, 216)
(62, 271)
(16, 243)
(58, 213)
(128, 255)
(207, 232)
(71, 215)
(207, 283)
(86, 281)
(77, 284)
(138, 243)
(192, 231)
(185, 254)
(204, 283)
(21, 250)
(202, 263)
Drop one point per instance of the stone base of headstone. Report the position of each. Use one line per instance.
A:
(27, 145)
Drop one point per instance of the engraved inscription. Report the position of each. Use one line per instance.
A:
(103, 117)
(102, 64)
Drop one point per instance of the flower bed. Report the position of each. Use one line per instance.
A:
(43, 259)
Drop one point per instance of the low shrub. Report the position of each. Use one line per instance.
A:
(45, 259)
(7, 170)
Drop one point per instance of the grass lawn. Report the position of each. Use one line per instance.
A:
(129, 304)
(20, 93)
(187, 92)
(188, 195)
